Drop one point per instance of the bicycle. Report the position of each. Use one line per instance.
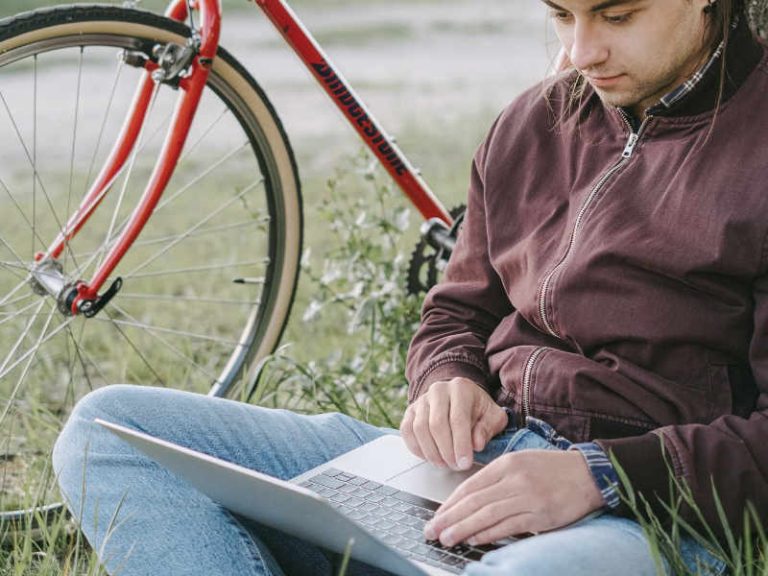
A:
(197, 295)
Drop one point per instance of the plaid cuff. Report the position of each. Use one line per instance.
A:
(603, 472)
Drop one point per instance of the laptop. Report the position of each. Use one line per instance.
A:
(371, 502)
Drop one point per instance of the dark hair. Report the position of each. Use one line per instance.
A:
(724, 13)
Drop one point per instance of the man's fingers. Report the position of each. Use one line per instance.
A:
(491, 422)
(423, 434)
(407, 433)
(461, 428)
(440, 429)
(477, 514)
(511, 526)
(484, 479)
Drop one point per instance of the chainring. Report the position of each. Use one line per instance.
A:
(426, 262)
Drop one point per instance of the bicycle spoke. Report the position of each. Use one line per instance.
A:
(191, 148)
(23, 215)
(22, 313)
(16, 301)
(82, 356)
(201, 269)
(7, 370)
(21, 338)
(13, 268)
(135, 348)
(182, 190)
(11, 250)
(13, 291)
(73, 147)
(178, 353)
(32, 354)
(32, 163)
(204, 232)
(196, 234)
(185, 234)
(104, 248)
(200, 176)
(34, 156)
(162, 330)
(200, 300)
(103, 125)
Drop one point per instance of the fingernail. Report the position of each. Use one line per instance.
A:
(464, 463)
(429, 532)
(472, 541)
(446, 538)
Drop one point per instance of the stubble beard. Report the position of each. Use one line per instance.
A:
(639, 97)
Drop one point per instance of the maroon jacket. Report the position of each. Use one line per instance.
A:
(621, 294)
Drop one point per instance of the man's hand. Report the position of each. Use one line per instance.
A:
(530, 491)
(449, 421)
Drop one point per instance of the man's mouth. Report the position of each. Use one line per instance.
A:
(603, 81)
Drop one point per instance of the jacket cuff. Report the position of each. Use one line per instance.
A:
(446, 369)
(643, 461)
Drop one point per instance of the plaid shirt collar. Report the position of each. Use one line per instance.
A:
(690, 85)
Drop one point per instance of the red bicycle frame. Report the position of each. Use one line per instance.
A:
(191, 87)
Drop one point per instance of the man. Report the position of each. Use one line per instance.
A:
(607, 296)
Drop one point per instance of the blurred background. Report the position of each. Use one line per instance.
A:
(436, 73)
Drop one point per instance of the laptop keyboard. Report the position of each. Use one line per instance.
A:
(393, 516)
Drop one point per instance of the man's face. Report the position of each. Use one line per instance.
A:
(633, 51)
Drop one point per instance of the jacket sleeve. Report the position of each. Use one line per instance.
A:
(461, 312)
(726, 457)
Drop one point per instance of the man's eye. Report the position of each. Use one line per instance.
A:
(617, 18)
(559, 15)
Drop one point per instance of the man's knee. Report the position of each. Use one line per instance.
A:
(80, 431)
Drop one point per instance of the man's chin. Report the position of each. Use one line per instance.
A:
(615, 99)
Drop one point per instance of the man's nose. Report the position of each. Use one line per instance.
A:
(588, 48)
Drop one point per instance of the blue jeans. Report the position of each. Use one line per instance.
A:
(141, 519)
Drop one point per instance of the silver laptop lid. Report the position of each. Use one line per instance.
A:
(270, 501)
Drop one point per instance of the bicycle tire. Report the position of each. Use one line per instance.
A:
(180, 320)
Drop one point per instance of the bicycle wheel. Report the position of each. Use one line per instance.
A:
(208, 285)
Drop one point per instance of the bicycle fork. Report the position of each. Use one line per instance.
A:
(186, 67)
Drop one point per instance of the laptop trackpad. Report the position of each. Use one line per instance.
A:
(429, 481)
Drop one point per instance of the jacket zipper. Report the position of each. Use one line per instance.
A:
(629, 150)
(527, 377)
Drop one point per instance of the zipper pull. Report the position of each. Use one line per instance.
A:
(630, 147)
